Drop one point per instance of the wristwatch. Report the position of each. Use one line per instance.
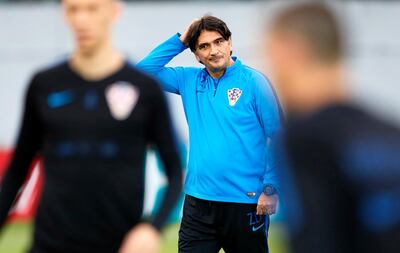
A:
(269, 190)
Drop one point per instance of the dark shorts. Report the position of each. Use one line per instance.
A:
(208, 226)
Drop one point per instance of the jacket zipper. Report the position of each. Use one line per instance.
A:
(216, 84)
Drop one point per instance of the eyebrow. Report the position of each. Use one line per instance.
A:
(206, 43)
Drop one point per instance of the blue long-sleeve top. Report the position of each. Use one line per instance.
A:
(232, 122)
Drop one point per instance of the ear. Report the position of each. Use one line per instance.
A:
(230, 44)
(230, 41)
(197, 58)
(117, 9)
(64, 12)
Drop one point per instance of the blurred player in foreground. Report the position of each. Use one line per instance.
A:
(92, 118)
(345, 163)
(233, 115)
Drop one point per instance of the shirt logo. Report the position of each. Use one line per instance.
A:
(256, 221)
(258, 227)
(234, 95)
(121, 99)
(60, 98)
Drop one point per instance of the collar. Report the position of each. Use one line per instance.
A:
(234, 67)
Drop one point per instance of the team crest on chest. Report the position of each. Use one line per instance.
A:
(121, 99)
(234, 95)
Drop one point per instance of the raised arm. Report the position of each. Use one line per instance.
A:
(171, 79)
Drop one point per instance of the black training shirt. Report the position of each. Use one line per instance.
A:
(93, 137)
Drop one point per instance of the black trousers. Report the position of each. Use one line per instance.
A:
(208, 226)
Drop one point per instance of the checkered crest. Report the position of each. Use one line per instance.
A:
(234, 95)
(121, 99)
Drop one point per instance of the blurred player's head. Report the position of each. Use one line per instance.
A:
(305, 47)
(90, 21)
(209, 39)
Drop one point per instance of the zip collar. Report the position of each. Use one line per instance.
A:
(234, 67)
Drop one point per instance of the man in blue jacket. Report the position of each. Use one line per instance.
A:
(233, 116)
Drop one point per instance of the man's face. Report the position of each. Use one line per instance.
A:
(283, 62)
(90, 20)
(213, 51)
(278, 57)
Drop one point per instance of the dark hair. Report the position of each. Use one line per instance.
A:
(317, 25)
(208, 23)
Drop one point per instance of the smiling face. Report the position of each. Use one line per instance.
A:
(90, 21)
(213, 51)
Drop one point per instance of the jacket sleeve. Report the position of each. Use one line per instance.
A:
(155, 63)
(28, 144)
(161, 134)
(270, 116)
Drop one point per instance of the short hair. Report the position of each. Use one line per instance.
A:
(208, 23)
(317, 25)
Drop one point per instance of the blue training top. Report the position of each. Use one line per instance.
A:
(232, 121)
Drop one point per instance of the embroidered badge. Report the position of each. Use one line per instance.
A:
(234, 95)
(121, 99)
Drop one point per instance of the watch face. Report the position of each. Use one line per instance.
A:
(269, 190)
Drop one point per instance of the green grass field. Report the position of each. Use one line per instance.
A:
(16, 237)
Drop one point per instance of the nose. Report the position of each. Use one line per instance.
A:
(213, 50)
(81, 19)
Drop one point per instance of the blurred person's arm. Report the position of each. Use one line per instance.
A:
(145, 238)
(162, 135)
(28, 144)
(315, 207)
(268, 112)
